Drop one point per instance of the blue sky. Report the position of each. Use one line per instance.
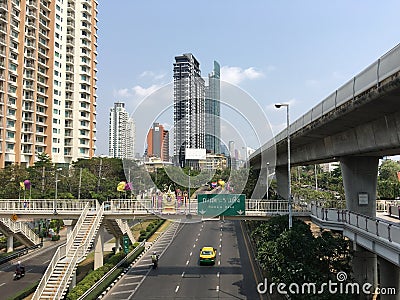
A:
(277, 51)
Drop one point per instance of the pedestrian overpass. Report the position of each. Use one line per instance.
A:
(87, 219)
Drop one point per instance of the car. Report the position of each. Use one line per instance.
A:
(207, 255)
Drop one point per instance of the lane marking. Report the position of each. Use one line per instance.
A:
(218, 274)
(187, 262)
(177, 288)
(217, 288)
(2, 284)
(29, 270)
(131, 283)
(132, 276)
(121, 292)
(198, 234)
(190, 253)
(46, 261)
(220, 245)
(183, 274)
(220, 240)
(194, 245)
(197, 240)
(219, 263)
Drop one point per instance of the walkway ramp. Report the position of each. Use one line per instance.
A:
(20, 231)
(58, 275)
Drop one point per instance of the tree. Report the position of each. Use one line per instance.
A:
(297, 256)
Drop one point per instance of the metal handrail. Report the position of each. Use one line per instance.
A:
(77, 227)
(17, 227)
(105, 276)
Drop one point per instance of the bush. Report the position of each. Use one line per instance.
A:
(55, 237)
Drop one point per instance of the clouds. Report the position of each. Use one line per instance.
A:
(236, 75)
(137, 91)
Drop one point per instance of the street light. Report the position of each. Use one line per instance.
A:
(56, 193)
(267, 180)
(279, 105)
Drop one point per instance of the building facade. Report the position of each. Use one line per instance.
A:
(121, 133)
(189, 107)
(213, 112)
(48, 80)
(158, 142)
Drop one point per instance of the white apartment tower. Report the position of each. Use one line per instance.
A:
(121, 133)
(189, 107)
(47, 80)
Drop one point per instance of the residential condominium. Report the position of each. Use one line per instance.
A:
(189, 107)
(47, 80)
(158, 142)
(122, 133)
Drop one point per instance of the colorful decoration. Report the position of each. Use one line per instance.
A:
(121, 186)
(27, 184)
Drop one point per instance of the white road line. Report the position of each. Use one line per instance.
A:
(220, 240)
(218, 274)
(187, 262)
(183, 274)
(197, 240)
(177, 288)
(219, 263)
(134, 271)
(131, 283)
(198, 234)
(220, 234)
(217, 288)
(29, 270)
(194, 245)
(190, 253)
(46, 261)
(132, 276)
(2, 284)
(220, 245)
(122, 292)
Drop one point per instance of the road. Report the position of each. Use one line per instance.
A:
(179, 275)
(35, 265)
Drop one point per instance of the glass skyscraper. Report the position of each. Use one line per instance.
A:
(213, 111)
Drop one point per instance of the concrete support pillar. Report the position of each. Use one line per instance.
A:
(73, 281)
(117, 243)
(360, 180)
(99, 249)
(70, 226)
(281, 173)
(389, 278)
(365, 267)
(10, 243)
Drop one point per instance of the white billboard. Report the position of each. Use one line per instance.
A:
(195, 154)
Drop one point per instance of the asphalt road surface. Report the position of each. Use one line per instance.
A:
(35, 265)
(180, 276)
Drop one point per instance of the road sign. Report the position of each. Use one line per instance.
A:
(125, 243)
(14, 217)
(221, 204)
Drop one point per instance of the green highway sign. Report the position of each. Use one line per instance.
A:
(125, 243)
(221, 204)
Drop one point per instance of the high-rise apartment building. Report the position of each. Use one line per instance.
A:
(47, 80)
(158, 142)
(212, 110)
(189, 107)
(121, 133)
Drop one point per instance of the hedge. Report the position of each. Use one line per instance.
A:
(150, 229)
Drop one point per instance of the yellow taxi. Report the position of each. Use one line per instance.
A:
(207, 255)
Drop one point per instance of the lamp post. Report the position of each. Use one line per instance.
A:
(56, 192)
(267, 180)
(279, 105)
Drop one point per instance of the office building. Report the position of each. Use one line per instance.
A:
(212, 110)
(47, 80)
(121, 133)
(158, 142)
(189, 107)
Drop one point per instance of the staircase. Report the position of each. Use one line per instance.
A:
(59, 273)
(20, 230)
(118, 227)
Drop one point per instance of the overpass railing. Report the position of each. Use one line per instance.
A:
(23, 228)
(375, 226)
(40, 206)
(385, 68)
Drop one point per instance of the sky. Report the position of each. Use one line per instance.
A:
(296, 52)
